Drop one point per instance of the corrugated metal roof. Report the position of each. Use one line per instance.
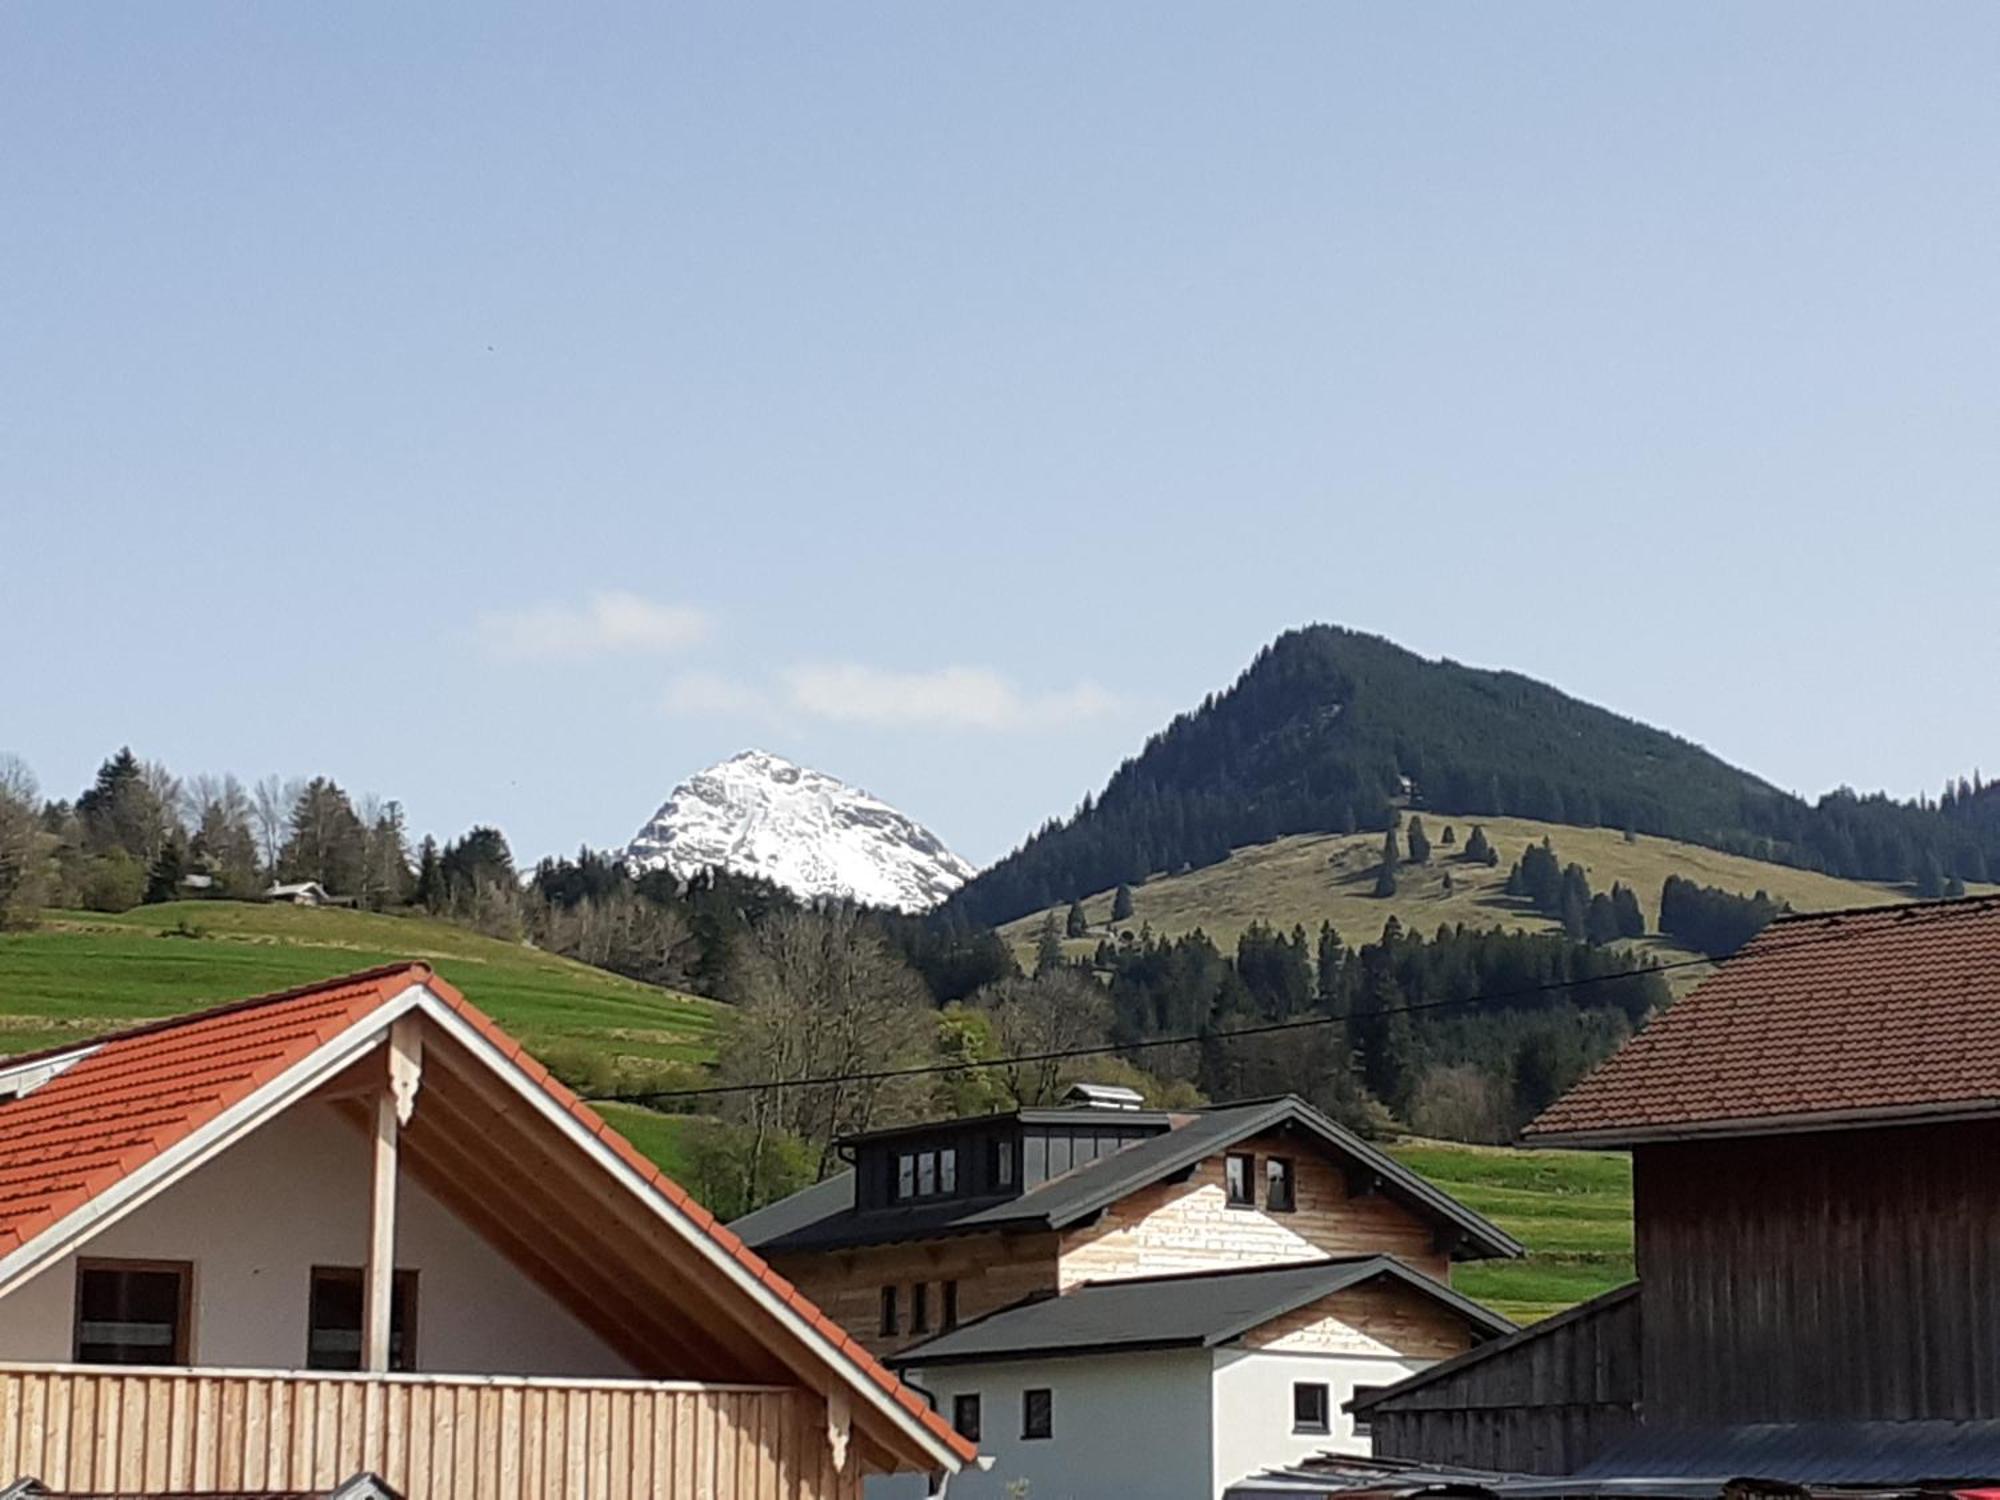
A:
(1811, 1453)
(1199, 1309)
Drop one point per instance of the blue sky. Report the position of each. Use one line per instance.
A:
(511, 410)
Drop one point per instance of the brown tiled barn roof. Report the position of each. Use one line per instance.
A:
(1882, 1014)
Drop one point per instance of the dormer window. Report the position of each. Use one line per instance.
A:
(1003, 1164)
(927, 1174)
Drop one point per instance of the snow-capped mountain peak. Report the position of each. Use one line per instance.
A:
(760, 814)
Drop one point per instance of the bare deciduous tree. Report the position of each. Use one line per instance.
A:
(22, 859)
(821, 996)
(1055, 1011)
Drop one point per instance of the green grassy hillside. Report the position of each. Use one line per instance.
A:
(81, 973)
(1572, 1209)
(1310, 878)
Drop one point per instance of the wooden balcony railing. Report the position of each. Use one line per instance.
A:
(431, 1437)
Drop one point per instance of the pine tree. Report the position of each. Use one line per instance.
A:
(429, 892)
(1420, 844)
(1075, 924)
(1385, 874)
(163, 880)
(1448, 838)
(1478, 851)
(1048, 946)
(1121, 903)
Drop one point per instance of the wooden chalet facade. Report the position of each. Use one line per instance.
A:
(1817, 1220)
(354, 1230)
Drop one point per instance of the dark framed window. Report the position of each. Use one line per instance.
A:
(1279, 1196)
(333, 1321)
(1310, 1407)
(1361, 1423)
(1239, 1180)
(1038, 1413)
(927, 1174)
(965, 1416)
(891, 1314)
(1003, 1164)
(920, 1307)
(133, 1312)
(948, 1312)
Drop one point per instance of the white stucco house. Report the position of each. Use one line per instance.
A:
(1175, 1387)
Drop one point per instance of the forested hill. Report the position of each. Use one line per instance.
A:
(1328, 730)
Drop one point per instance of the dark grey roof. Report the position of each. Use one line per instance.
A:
(1196, 1310)
(827, 1218)
(1810, 1453)
(1388, 1395)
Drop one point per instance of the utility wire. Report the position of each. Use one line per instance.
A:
(1915, 912)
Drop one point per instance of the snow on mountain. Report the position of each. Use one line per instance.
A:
(759, 814)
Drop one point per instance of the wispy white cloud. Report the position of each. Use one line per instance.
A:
(948, 698)
(701, 695)
(606, 624)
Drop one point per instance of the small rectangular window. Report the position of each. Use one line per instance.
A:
(891, 1318)
(920, 1307)
(926, 1173)
(1361, 1425)
(949, 1311)
(906, 1175)
(1309, 1407)
(132, 1312)
(1038, 1413)
(965, 1416)
(1239, 1176)
(334, 1314)
(1278, 1195)
(948, 1170)
(1003, 1164)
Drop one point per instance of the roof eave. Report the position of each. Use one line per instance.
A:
(1623, 1137)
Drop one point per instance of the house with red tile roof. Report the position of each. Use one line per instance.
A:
(353, 1234)
(1817, 1225)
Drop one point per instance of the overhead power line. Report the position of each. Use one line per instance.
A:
(1918, 912)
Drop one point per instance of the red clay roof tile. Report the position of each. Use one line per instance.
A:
(1882, 1013)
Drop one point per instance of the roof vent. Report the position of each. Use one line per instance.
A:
(1102, 1096)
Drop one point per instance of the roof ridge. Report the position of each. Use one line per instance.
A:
(373, 975)
(1211, 1273)
(1888, 909)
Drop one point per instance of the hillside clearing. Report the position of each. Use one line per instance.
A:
(1572, 1209)
(1305, 879)
(81, 973)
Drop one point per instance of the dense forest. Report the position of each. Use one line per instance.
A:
(1330, 731)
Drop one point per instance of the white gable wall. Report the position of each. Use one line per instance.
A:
(1125, 1424)
(293, 1195)
(1253, 1405)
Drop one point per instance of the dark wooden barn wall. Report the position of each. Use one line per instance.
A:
(1841, 1275)
(1543, 1401)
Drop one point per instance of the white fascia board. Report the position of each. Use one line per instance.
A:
(204, 1143)
(545, 1104)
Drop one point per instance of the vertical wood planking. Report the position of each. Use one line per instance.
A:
(433, 1439)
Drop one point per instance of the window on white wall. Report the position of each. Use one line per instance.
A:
(133, 1312)
(333, 1323)
(1310, 1406)
(1038, 1413)
(965, 1416)
(1361, 1418)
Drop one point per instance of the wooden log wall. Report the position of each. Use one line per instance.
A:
(429, 1437)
